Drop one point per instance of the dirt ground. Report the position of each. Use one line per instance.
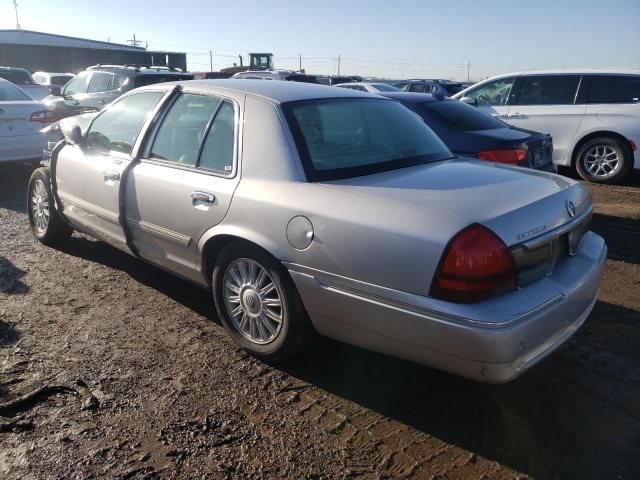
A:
(111, 368)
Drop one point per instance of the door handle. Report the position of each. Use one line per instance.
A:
(75, 102)
(100, 102)
(111, 175)
(203, 197)
(498, 115)
(515, 115)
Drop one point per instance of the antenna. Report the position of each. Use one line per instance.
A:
(15, 6)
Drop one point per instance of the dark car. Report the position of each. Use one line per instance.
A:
(439, 87)
(470, 132)
(97, 86)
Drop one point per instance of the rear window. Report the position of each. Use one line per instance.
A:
(11, 93)
(383, 87)
(342, 138)
(614, 89)
(17, 77)
(142, 80)
(461, 116)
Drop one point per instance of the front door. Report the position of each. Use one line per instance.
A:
(88, 175)
(493, 97)
(546, 103)
(184, 184)
(100, 91)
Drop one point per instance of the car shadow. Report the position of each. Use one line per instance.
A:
(10, 278)
(621, 234)
(573, 416)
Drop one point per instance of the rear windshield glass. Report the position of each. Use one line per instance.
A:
(142, 80)
(341, 138)
(383, 87)
(10, 93)
(17, 77)
(462, 116)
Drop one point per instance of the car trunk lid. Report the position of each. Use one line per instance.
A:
(15, 118)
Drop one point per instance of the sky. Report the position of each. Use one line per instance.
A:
(407, 39)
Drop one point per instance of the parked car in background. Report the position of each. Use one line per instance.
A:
(370, 87)
(21, 118)
(23, 79)
(440, 87)
(592, 115)
(99, 85)
(486, 269)
(470, 132)
(51, 79)
(210, 75)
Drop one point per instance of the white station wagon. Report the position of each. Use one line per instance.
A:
(592, 115)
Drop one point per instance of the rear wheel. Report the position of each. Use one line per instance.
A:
(258, 303)
(46, 223)
(603, 160)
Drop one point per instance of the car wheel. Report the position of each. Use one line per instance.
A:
(46, 223)
(603, 160)
(258, 303)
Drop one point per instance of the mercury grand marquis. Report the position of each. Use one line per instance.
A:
(308, 209)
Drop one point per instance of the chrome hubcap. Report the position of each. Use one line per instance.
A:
(253, 301)
(40, 206)
(602, 161)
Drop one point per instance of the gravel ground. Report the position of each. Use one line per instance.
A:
(111, 368)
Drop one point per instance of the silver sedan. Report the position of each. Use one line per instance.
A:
(309, 209)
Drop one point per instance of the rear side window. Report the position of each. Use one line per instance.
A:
(100, 82)
(17, 77)
(118, 127)
(461, 116)
(418, 88)
(11, 93)
(183, 129)
(217, 151)
(614, 89)
(548, 90)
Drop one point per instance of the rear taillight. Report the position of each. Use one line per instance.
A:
(43, 116)
(476, 265)
(516, 156)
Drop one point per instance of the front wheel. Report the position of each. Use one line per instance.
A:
(258, 303)
(46, 224)
(603, 160)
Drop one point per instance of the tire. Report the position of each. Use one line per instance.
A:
(46, 223)
(238, 284)
(603, 160)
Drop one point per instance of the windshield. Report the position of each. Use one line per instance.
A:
(384, 87)
(11, 93)
(461, 116)
(342, 138)
(17, 77)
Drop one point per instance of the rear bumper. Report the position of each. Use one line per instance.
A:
(493, 341)
(24, 147)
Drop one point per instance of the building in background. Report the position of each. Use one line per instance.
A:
(59, 53)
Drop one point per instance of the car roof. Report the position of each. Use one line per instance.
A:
(412, 97)
(574, 71)
(277, 91)
(14, 69)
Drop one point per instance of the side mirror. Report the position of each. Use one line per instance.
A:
(469, 101)
(56, 91)
(75, 136)
(71, 131)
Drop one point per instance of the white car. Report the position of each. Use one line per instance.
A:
(370, 87)
(21, 119)
(592, 115)
(51, 79)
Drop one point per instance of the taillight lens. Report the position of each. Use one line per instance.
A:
(516, 156)
(43, 116)
(476, 265)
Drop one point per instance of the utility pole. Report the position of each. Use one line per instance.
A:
(300, 62)
(15, 6)
(134, 42)
(338, 64)
(210, 61)
(469, 71)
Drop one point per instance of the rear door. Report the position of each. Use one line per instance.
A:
(184, 184)
(493, 97)
(547, 103)
(88, 175)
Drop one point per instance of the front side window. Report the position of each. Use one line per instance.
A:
(614, 89)
(11, 93)
(118, 127)
(494, 93)
(217, 151)
(76, 85)
(181, 133)
(548, 90)
(340, 138)
(100, 82)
